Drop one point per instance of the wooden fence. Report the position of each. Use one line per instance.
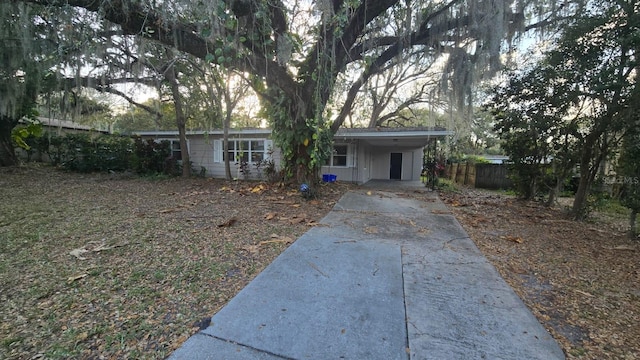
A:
(485, 176)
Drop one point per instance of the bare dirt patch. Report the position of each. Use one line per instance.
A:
(114, 266)
(580, 279)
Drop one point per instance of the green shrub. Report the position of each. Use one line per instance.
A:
(150, 157)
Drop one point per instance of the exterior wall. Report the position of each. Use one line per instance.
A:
(381, 161)
(418, 159)
(364, 166)
(201, 154)
(206, 151)
(350, 172)
(364, 161)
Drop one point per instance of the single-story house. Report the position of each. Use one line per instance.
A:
(359, 155)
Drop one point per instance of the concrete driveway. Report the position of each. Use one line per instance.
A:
(383, 277)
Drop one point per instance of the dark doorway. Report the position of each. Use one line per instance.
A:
(396, 166)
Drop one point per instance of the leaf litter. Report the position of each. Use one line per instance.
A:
(115, 267)
(580, 279)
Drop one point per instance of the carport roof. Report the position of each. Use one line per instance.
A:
(394, 137)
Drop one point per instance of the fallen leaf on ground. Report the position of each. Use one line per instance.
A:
(296, 220)
(164, 211)
(94, 246)
(515, 239)
(622, 247)
(78, 253)
(441, 212)
(371, 230)
(270, 216)
(228, 223)
(583, 293)
(277, 239)
(76, 277)
(253, 249)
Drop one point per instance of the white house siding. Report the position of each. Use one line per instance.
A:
(407, 165)
(348, 173)
(368, 154)
(200, 153)
(364, 166)
(205, 150)
(381, 162)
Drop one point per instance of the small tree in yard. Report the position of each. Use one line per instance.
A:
(579, 93)
(529, 121)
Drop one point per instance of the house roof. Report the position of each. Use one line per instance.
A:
(173, 133)
(66, 124)
(409, 137)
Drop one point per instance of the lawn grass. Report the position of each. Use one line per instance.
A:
(158, 258)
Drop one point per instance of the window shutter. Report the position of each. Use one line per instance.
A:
(268, 147)
(217, 151)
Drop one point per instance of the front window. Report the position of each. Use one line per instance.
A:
(174, 146)
(251, 151)
(338, 156)
(176, 152)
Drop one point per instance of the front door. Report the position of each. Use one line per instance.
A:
(395, 172)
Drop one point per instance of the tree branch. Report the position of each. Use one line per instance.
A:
(130, 100)
(138, 20)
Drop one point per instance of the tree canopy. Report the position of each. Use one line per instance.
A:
(574, 107)
(295, 53)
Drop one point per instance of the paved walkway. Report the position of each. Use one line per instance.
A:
(383, 277)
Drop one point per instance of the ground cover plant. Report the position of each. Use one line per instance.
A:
(116, 266)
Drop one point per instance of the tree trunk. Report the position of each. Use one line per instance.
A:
(172, 76)
(589, 167)
(304, 173)
(7, 151)
(633, 231)
(225, 145)
(554, 191)
(579, 208)
(184, 149)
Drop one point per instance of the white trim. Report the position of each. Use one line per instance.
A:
(268, 149)
(392, 134)
(232, 132)
(249, 151)
(217, 151)
(350, 156)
